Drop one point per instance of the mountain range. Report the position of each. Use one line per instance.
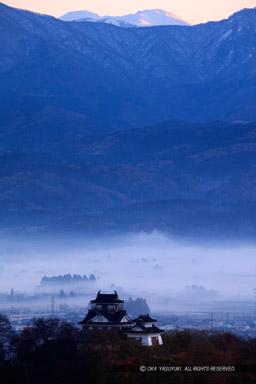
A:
(110, 128)
(129, 77)
(177, 177)
(146, 18)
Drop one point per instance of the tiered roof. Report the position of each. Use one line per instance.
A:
(104, 317)
(140, 328)
(103, 298)
(144, 319)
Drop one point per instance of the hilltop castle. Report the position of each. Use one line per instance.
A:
(107, 313)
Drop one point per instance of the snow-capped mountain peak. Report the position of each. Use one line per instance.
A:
(146, 18)
(153, 17)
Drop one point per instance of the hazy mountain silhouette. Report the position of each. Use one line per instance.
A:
(139, 179)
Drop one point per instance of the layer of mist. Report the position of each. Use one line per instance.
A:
(164, 271)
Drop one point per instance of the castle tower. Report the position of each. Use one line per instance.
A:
(106, 313)
(145, 330)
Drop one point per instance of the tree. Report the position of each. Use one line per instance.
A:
(46, 329)
(42, 331)
(137, 307)
(24, 344)
(66, 330)
(62, 294)
(6, 334)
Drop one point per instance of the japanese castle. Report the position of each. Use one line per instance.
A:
(107, 313)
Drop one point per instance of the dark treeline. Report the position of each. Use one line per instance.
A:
(137, 306)
(49, 351)
(66, 279)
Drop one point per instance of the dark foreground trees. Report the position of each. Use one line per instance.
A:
(6, 334)
(51, 351)
(25, 345)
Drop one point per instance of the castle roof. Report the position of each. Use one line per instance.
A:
(104, 317)
(144, 319)
(140, 328)
(103, 298)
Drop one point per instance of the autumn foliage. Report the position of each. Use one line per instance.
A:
(54, 352)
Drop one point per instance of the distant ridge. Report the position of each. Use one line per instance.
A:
(146, 18)
(77, 15)
(106, 78)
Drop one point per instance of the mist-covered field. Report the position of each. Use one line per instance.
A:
(152, 266)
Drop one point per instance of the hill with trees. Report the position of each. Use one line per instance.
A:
(48, 351)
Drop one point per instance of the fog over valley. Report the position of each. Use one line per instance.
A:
(166, 272)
